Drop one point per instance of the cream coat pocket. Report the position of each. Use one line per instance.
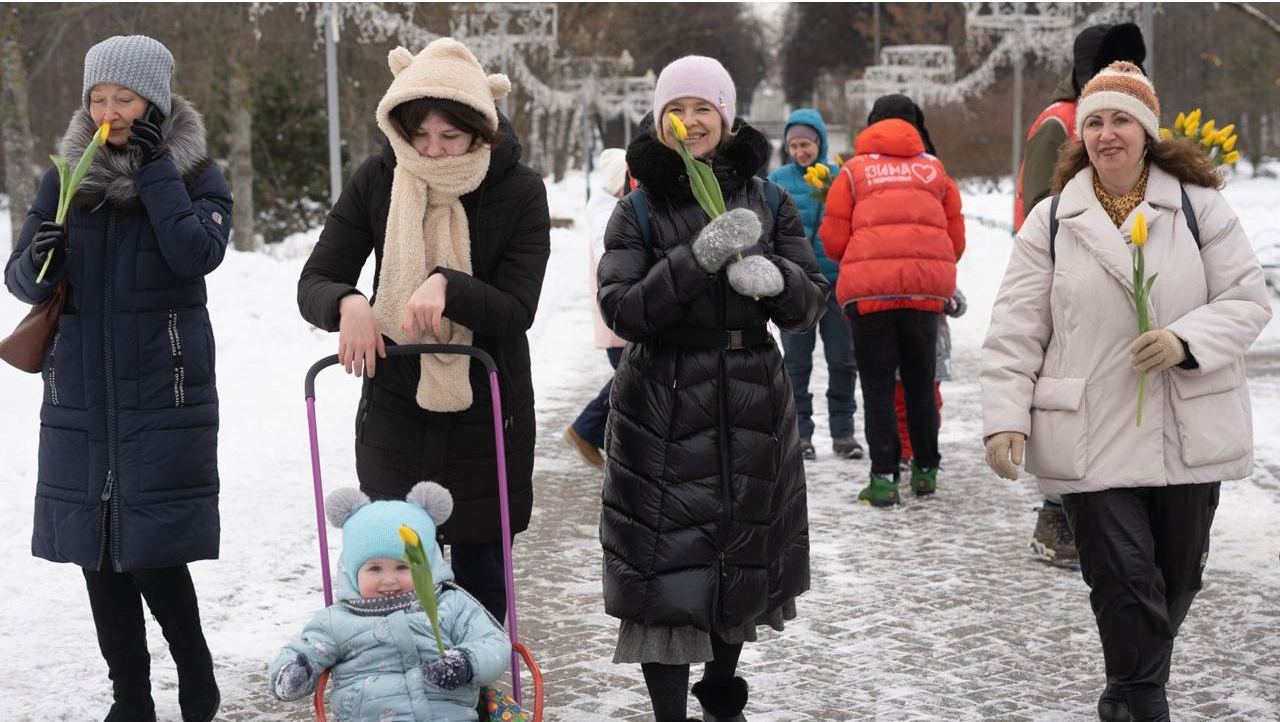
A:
(1212, 414)
(1058, 445)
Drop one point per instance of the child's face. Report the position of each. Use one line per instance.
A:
(384, 577)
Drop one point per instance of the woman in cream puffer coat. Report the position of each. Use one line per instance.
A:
(1062, 363)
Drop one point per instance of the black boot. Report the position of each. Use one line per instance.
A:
(1148, 704)
(1112, 706)
(172, 599)
(722, 701)
(122, 637)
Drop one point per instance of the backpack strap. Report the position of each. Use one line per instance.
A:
(641, 207)
(773, 199)
(1189, 213)
(1053, 229)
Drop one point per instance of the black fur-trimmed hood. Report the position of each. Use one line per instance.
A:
(110, 178)
(661, 171)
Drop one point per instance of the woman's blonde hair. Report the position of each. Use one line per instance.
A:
(1177, 158)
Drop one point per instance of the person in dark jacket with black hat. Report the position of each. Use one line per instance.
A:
(705, 523)
(127, 486)
(461, 235)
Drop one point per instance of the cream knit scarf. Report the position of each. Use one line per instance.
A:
(427, 228)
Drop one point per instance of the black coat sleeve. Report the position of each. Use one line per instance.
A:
(507, 303)
(639, 299)
(804, 294)
(331, 272)
(19, 275)
(192, 225)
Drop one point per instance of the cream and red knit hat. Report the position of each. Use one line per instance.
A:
(1121, 86)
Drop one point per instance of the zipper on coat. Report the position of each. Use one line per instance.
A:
(111, 513)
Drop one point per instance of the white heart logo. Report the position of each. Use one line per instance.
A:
(926, 173)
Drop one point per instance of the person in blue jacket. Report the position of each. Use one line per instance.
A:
(127, 486)
(376, 638)
(806, 143)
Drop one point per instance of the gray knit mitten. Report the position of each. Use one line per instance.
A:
(755, 277)
(724, 237)
(293, 679)
(448, 672)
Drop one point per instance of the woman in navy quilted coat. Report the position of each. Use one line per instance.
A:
(127, 485)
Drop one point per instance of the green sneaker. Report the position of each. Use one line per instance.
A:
(882, 491)
(923, 481)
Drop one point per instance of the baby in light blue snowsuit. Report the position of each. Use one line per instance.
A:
(376, 639)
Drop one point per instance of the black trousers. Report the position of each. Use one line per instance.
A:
(901, 341)
(1142, 553)
(478, 569)
(116, 600)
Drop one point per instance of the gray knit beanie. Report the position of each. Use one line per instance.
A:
(139, 63)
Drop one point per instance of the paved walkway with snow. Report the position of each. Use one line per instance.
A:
(935, 611)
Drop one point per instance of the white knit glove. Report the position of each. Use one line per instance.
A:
(755, 277)
(724, 237)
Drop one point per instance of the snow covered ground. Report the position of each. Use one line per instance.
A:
(266, 583)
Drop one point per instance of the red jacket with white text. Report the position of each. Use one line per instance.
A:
(893, 223)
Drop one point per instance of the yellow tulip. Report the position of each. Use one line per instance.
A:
(1178, 122)
(101, 135)
(813, 181)
(408, 535)
(1206, 130)
(1208, 140)
(1191, 129)
(1165, 134)
(1194, 117)
(839, 160)
(677, 128)
(1229, 144)
(1139, 232)
(1231, 157)
(1227, 131)
(821, 171)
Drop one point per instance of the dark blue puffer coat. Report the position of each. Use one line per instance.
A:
(128, 462)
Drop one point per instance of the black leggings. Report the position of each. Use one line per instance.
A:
(668, 684)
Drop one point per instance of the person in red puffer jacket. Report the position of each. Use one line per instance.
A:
(894, 225)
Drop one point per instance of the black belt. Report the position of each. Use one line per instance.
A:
(718, 338)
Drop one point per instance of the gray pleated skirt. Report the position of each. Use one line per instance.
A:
(642, 644)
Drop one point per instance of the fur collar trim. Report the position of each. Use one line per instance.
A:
(110, 178)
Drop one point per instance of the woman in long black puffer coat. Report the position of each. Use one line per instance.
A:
(705, 525)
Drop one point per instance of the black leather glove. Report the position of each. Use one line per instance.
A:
(148, 138)
(49, 238)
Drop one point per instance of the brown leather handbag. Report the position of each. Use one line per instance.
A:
(24, 348)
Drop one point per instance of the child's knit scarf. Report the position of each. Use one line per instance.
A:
(427, 228)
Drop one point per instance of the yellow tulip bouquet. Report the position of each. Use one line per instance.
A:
(1219, 144)
(820, 177)
(1141, 294)
(69, 182)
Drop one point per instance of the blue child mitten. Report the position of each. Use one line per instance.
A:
(725, 236)
(448, 672)
(293, 679)
(755, 277)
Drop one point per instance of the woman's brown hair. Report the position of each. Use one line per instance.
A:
(1177, 158)
(410, 114)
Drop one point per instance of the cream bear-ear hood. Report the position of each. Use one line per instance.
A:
(445, 69)
(398, 60)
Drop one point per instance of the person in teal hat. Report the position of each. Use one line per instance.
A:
(376, 638)
(806, 144)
